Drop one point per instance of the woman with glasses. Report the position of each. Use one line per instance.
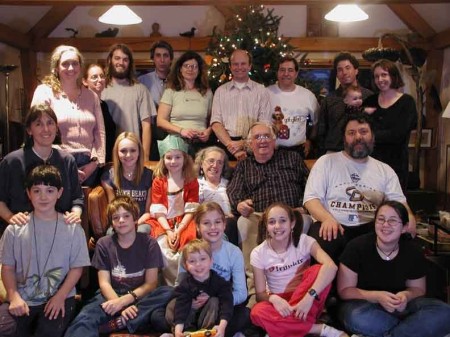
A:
(212, 167)
(185, 107)
(78, 110)
(94, 79)
(382, 280)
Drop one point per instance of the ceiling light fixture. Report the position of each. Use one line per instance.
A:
(120, 15)
(346, 13)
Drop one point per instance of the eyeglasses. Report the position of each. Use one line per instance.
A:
(96, 77)
(264, 136)
(190, 66)
(392, 222)
(212, 161)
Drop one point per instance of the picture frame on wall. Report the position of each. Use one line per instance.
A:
(426, 142)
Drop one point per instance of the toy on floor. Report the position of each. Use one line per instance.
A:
(201, 333)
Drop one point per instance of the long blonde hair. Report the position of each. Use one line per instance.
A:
(52, 80)
(117, 165)
(189, 173)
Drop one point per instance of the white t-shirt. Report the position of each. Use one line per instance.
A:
(296, 107)
(349, 190)
(283, 271)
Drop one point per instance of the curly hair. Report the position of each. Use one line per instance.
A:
(176, 80)
(201, 155)
(52, 80)
(109, 66)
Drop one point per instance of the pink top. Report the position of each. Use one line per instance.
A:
(80, 122)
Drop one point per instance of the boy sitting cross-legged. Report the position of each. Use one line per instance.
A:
(218, 309)
(42, 262)
(127, 264)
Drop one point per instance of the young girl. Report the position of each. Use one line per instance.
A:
(129, 176)
(174, 199)
(382, 280)
(228, 263)
(296, 292)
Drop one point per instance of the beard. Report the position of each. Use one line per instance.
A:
(119, 74)
(361, 153)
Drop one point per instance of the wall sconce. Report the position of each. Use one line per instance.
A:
(120, 15)
(346, 13)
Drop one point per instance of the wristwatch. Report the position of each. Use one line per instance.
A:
(314, 294)
(132, 293)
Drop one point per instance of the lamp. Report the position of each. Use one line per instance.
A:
(446, 112)
(6, 70)
(120, 15)
(346, 13)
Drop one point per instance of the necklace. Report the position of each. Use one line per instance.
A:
(281, 256)
(45, 160)
(49, 253)
(387, 255)
(129, 176)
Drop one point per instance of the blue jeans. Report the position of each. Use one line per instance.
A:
(424, 317)
(92, 315)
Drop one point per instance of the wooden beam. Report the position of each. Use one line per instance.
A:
(14, 38)
(51, 20)
(441, 40)
(137, 44)
(142, 44)
(203, 2)
(28, 63)
(413, 20)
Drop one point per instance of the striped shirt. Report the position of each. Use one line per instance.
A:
(237, 109)
(282, 178)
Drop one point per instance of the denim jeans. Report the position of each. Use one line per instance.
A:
(424, 317)
(81, 160)
(92, 315)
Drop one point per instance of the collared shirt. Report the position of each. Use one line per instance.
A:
(331, 117)
(282, 178)
(155, 85)
(237, 109)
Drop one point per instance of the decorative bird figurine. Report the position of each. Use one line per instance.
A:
(74, 31)
(189, 33)
(110, 32)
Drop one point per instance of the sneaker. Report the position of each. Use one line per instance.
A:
(166, 335)
(329, 331)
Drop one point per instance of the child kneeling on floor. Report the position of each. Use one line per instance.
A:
(217, 311)
(42, 262)
(127, 264)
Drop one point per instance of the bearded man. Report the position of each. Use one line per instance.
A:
(344, 189)
(129, 102)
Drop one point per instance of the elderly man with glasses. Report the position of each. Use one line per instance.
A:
(265, 176)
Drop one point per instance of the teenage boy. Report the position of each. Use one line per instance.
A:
(217, 311)
(42, 262)
(127, 264)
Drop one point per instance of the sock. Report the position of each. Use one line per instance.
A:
(113, 325)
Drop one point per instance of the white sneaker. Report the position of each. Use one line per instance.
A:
(238, 334)
(329, 331)
(166, 335)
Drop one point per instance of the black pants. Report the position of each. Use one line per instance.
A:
(335, 247)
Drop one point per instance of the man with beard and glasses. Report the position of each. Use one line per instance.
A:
(129, 102)
(345, 188)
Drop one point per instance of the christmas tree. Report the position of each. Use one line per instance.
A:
(252, 28)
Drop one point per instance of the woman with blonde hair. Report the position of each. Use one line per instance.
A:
(129, 176)
(78, 111)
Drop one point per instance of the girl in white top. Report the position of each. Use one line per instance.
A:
(290, 293)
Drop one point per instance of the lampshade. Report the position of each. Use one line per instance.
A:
(446, 112)
(120, 15)
(346, 13)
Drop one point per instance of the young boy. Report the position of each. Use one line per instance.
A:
(354, 101)
(127, 264)
(42, 262)
(197, 260)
